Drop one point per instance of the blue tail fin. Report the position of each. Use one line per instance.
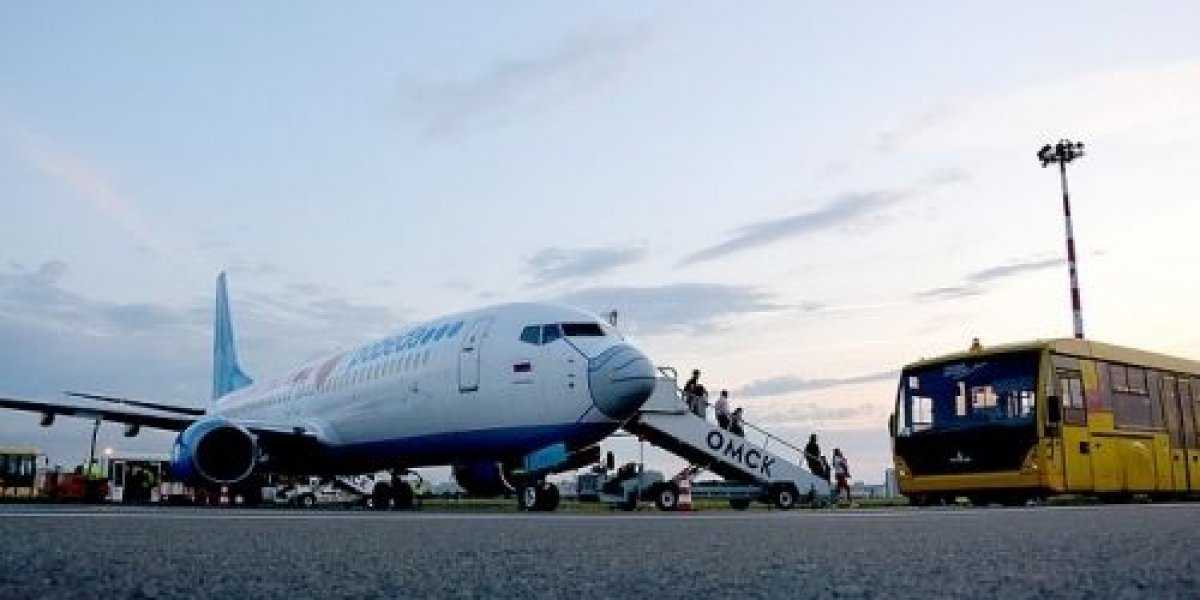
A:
(227, 374)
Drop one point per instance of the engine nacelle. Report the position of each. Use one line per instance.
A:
(484, 479)
(214, 451)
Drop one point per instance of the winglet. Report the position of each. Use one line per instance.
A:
(227, 373)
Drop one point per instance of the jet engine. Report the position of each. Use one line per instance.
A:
(484, 479)
(214, 451)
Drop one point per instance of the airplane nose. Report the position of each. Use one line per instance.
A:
(621, 380)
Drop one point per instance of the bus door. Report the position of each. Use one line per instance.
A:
(1187, 408)
(1177, 432)
(1077, 444)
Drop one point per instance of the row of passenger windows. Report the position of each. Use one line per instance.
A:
(1139, 398)
(395, 365)
(544, 334)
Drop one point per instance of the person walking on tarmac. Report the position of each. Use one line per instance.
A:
(735, 423)
(841, 472)
(812, 456)
(722, 410)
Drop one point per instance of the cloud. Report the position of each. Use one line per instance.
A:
(788, 384)
(35, 297)
(515, 88)
(949, 292)
(92, 185)
(1012, 269)
(560, 264)
(977, 281)
(675, 308)
(811, 413)
(894, 139)
(842, 210)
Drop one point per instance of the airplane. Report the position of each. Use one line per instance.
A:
(506, 395)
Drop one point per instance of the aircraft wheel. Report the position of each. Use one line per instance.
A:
(527, 497)
(403, 495)
(667, 498)
(381, 496)
(548, 497)
(784, 497)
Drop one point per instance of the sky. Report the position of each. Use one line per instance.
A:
(797, 198)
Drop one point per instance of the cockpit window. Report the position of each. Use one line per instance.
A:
(532, 335)
(582, 330)
(550, 333)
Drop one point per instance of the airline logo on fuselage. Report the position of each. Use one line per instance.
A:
(733, 448)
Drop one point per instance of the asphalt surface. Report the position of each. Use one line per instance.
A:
(1129, 551)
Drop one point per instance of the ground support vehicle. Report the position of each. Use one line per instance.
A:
(1026, 421)
(755, 458)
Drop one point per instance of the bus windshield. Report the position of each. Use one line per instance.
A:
(996, 389)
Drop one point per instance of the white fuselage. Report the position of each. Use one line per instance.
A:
(457, 387)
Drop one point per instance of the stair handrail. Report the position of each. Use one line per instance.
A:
(767, 436)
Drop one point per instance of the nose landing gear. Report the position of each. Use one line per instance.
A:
(541, 496)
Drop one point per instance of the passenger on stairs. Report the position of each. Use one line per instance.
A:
(735, 423)
(812, 456)
(722, 410)
(695, 395)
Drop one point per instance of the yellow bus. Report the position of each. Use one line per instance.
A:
(1025, 421)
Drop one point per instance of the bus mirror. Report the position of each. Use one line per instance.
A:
(1054, 410)
(892, 424)
(610, 461)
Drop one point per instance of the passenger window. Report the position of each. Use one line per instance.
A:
(983, 397)
(550, 333)
(532, 335)
(441, 331)
(922, 412)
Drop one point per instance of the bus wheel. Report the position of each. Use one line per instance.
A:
(666, 497)
(784, 497)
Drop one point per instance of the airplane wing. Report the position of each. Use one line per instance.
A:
(183, 410)
(131, 412)
(169, 422)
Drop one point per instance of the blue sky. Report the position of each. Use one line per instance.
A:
(798, 199)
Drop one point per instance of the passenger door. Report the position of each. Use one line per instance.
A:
(1188, 409)
(469, 356)
(1179, 431)
(1077, 448)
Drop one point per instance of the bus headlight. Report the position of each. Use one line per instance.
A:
(1030, 464)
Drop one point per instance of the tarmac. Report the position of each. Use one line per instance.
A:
(1121, 551)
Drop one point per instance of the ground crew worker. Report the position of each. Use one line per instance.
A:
(722, 410)
(841, 471)
(735, 423)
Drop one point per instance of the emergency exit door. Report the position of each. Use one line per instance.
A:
(469, 356)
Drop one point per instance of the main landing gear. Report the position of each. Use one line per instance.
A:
(396, 493)
(540, 496)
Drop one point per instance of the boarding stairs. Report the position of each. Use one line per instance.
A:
(757, 457)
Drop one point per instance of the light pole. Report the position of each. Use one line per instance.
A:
(1062, 153)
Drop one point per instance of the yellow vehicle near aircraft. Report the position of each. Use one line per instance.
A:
(1064, 416)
